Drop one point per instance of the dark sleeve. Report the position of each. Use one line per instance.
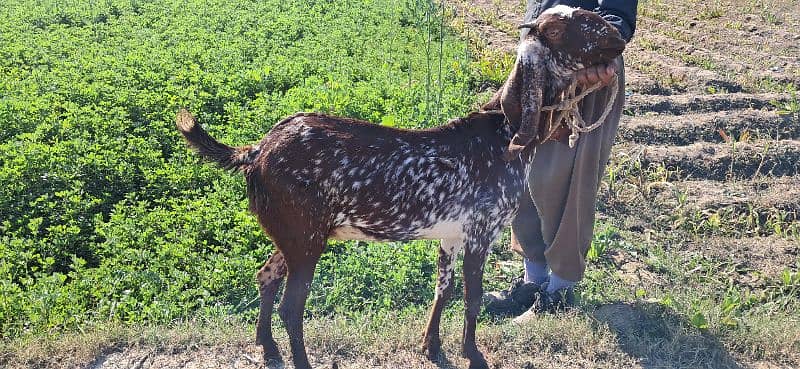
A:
(621, 14)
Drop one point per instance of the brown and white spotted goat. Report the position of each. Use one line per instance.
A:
(316, 177)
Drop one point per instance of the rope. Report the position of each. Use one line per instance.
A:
(570, 112)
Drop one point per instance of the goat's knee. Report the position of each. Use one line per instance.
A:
(273, 271)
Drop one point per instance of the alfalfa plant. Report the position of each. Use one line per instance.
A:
(604, 240)
(790, 106)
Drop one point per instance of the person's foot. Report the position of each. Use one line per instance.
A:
(513, 301)
(548, 302)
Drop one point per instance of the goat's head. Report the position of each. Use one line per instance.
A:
(561, 41)
(578, 37)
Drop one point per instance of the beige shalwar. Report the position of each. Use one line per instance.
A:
(555, 223)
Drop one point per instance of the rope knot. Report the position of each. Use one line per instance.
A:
(569, 111)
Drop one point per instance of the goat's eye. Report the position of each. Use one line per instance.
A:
(553, 33)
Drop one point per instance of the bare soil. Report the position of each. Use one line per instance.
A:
(689, 128)
(707, 143)
(749, 259)
(639, 104)
(727, 161)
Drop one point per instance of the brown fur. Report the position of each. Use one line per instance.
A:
(315, 177)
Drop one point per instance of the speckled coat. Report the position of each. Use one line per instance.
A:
(315, 177)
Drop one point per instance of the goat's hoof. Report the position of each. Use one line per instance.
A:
(478, 363)
(432, 350)
(274, 362)
(433, 355)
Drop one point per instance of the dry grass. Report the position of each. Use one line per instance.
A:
(643, 334)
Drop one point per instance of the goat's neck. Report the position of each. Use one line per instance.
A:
(485, 124)
(561, 67)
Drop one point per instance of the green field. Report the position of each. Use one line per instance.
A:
(104, 212)
(115, 237)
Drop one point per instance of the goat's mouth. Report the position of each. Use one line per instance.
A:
(607, 55)
(613, 47)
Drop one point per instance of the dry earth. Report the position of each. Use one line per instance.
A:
(705, 83)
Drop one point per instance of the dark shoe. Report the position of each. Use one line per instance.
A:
(544, 302)
(513, 301)
(560, 300)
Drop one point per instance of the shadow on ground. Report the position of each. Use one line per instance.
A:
(660, 338)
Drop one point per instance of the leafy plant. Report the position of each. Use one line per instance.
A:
(792, 105)
(603, 240)
(104, 212)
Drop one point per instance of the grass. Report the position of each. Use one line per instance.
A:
(681, 321)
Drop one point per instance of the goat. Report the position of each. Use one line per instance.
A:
(316, 177)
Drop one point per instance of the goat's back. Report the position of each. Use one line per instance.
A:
(379, 182)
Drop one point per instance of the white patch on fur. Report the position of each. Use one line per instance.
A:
(563, 10)
(450, 247)
(527, 51)
(443, 229)
(347, 233)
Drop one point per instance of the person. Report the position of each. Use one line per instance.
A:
(553, 227)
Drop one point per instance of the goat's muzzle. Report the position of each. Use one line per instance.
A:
(613, 46)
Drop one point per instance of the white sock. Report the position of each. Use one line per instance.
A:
(557, 283)
(535, 271)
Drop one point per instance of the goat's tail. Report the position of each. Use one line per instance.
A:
(236, 158)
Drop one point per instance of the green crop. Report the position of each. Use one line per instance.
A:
(104, 212)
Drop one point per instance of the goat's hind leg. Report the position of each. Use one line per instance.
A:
(298, 283)
(448, 251)
(269, 280)
(474, 260)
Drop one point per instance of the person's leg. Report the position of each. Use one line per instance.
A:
(564, 184)
(532, 10)
(568, 209)
(526, 240)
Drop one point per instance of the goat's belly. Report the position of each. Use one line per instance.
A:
(347, 233)
(442, 230)
(446, 229)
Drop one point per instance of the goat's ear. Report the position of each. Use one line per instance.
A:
(522, 100)
(510, 96)
(532, 26)
(494, 102)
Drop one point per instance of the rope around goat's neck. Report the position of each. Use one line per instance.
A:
(568, 110)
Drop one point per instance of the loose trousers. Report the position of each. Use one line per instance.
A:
(556, 222)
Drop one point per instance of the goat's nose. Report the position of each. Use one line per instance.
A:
(614, 44)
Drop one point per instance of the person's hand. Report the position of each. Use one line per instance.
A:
(602, 73)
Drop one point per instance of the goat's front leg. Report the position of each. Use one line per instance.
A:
(448, 251)
(474, 260)
(269, 280)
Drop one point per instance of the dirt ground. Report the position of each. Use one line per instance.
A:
(706, 117)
